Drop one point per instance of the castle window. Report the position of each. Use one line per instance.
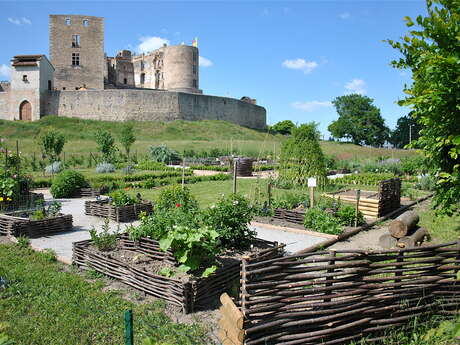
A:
(142, 78)
(49, 85)
(195, 84)
(194, 56)
(142, 65)
(67, 21)
(24, 77)
(75, 59)
(75, 41)
(194, 69)
(85, 23)
(125, 81)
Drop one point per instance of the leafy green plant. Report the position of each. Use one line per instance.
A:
(106, 145)
(105, 167)
(176, 196)
(54, 168)
(153, 165)
(127, 138)
(321, 221)
(51, 142)
(38, 215)
(23, 242)
(192, 247)
(121, 198)
(67, 183)
(163, 154)
(290, 200)
(104, 240)
(230, 217)
(347, 214)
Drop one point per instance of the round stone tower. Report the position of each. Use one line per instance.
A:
(181, 68)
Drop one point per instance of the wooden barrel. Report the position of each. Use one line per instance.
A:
(244, 166)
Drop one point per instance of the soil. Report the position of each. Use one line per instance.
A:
(5, 240)
(278, 222)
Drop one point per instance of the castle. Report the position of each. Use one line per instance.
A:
(79, 80)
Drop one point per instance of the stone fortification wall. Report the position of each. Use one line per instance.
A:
(4, 105)
(151, 105)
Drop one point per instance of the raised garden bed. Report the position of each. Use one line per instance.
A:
(24, 201)
(293, 216)
(89, 192)
(137, 264)
(103, 208)
(19, 224)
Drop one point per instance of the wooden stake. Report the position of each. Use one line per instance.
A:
(183, 173)
(312, 197)
(269, 191)
(358, 196)
(235, 163)
(17, 157)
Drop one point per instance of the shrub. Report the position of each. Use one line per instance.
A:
(128, 170)
(106, 145)
(105, 240)
(347, 214)
(321, 221)
(413, 165)
(426, 182)
(290, 200)
(176, 196)
(121, 198)
(54, 168)
(105, 167)
(152, 165)
(127, 138)
(230, 217)
(67, 183)
(51, 142)
(163, 154)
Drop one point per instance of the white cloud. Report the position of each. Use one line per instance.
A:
(150, 43)
(300, 64)
(311, 105)
(19, 21)
(205, 62)
(356, 86)
(345, 15)
(5, 71)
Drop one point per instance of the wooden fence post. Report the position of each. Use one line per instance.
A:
(235, 164)
(269, 191)
(183, 173)
(358, 196)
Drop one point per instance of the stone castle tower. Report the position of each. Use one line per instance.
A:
(77, 51)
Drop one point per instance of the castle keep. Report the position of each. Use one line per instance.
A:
(80, 80)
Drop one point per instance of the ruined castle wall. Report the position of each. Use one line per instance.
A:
(4, 105)
(153, 105)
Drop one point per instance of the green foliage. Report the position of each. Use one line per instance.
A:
(65, 308)
(54, 168)
(347, 214)
(430, 51)
(23, 242)
(302, 157)
(230, 217)
(9, 189)
(152, 165)
(367, 179)
(192, 247)
(413, 165)
(105, 240)
(163, 154)
(51, 142)
(319, 220)
(127, 138)
(283, 127)
(290, 200)
(104, 167)
(121, 198)
(67, 183)
(406, 128)
(105, 145)
(174, 197)
(359, 120)
(426, 182)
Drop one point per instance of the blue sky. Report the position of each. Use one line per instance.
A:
(294, 57)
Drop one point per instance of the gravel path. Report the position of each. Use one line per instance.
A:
(61, 243)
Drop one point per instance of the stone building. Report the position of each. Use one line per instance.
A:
(77, 51)
(80, 80)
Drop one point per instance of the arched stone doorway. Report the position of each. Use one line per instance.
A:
(25, 111)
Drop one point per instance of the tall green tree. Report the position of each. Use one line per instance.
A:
(407, 129)
(127, 138)
(52, 143)
(431, 50)
(301, 156)
(359, 120)
(283, 127)
(106, 145)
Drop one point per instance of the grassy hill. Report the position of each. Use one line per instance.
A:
(180, 135)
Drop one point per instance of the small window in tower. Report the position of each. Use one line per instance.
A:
(75, 41)
(125, 81)
(195, 85)
(194, 69)
(67, 21)
(24, 77)
(85, 23)
(142, 78)
(49, 85)
(75, 59)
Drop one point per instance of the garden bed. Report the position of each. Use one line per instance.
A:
(19, 224)
(103, 208)
(138, 263)
(293, 216)
(88, 193)
(24, 201)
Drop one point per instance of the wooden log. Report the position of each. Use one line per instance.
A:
(387, 241)
(227, 329)
(402, 225)
(413, 240)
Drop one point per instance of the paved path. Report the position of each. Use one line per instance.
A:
(61, 243)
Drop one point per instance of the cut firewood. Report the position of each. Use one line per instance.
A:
(402, 225)
(387, 241)
(413, 240)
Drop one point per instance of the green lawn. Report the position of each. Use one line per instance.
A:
(45, 305)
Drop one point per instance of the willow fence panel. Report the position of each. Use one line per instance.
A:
(190, 295)
(103, 208)
(16, 224)
(335, 297)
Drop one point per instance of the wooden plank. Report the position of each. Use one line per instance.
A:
(230, 310)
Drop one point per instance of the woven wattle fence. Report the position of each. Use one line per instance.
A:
(335, 297)
(103, 208)
(16, 224)
(191, 295)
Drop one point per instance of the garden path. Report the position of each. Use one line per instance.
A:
(62, 243)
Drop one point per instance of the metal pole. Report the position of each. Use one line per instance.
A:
(235, 163)
(129, 339)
